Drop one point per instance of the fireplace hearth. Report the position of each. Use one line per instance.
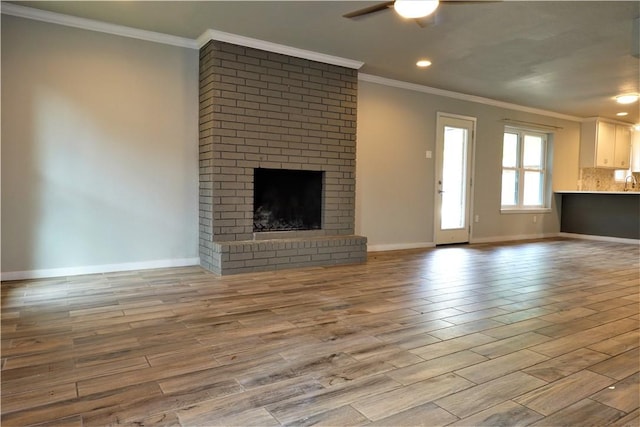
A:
(287, 200)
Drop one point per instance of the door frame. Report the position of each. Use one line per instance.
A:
(471, 170)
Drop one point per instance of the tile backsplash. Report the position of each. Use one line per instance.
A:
(595, 179)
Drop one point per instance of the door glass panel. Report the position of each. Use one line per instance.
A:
(454, 170)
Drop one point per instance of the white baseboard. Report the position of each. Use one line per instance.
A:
(96, 269)
(399, 246)
(600, 238)
(496, 239)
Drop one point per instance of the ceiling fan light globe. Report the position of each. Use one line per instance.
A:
(412, 9)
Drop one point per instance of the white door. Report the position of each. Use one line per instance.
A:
(454, 147)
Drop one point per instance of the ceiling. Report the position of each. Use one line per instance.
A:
(568, 57)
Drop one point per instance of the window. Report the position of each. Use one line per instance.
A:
(619, 175)
(524, 173)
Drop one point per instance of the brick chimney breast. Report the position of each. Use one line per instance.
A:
(260, 109)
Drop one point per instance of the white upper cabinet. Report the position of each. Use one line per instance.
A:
(622, 152)
(635, 151)
(605, 145)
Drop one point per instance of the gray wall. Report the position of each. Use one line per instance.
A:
(99, 148)
(100, 154)
(395, 182)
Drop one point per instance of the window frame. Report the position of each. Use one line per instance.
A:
(520, 171)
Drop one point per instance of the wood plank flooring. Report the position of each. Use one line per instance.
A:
(530, 333)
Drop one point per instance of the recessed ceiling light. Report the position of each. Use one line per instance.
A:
(423, 63)
(622, 114)
(628, 98)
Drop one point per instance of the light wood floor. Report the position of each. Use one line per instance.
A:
(535, 333)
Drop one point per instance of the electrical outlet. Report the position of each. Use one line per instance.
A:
(535, 219)
(477, 218)
(429, 154)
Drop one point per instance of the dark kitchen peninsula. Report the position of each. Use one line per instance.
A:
(601, 213)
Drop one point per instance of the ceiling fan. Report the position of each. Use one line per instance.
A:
(411, 9)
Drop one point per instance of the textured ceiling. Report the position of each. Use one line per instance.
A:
(568, 57)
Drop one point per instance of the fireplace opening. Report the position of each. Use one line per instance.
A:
(286, 200)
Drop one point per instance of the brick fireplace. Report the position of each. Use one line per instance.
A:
(263, 110)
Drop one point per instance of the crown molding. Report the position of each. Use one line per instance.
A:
(93, 25)
(121, 30)
(463, 96)
(604, 119)
(276, 48)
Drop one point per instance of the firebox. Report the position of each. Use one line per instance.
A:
(286, 199)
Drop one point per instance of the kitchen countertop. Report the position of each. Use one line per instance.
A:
(596, 192)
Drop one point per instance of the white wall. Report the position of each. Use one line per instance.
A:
(395, 182)
(99, 149)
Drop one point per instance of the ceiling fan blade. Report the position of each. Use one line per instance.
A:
(367, 10)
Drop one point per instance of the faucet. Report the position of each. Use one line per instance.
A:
(634, 182)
